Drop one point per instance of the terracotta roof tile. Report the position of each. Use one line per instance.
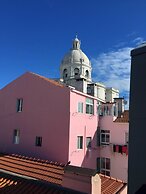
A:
(43, 170)
(10, 184)
(124, 118)
(40, 170)
(110, 185)
(48, 80)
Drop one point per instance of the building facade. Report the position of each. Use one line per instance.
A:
(71, 120)
(137, 159)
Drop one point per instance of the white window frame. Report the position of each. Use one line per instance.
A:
(80, 107)
(89, 106)
(79, 142)
(19, 104)
(105, 137)
(104, 162)
(16, 136)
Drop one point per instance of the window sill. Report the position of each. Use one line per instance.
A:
(104, 144)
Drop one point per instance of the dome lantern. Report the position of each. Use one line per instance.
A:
(76, 43)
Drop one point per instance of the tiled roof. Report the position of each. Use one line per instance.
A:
(110, 185)
(124, 118)
(38, 169)
(10, 184)
(47, 79)
(44, 171)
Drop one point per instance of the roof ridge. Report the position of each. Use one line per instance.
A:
(29, 166)
(47, 79)
(33, 159)
(32, 167)
(111, 178)
(37, 160)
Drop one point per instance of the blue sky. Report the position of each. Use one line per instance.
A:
(35, 35)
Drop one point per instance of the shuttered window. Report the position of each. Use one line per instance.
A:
(89, 106)
(16, 136)
(19, 105)
(80, 142)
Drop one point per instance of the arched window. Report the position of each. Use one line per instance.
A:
(76, 71)
(87, 73)
(64, 73)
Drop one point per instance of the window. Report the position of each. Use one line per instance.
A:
(87, 74)
(99, 110)
(38, 141)
(80, 107)
(80, 142)
(105, 137)
(89, 106)
(98, 136)
(76, 71)
(115, 110)
(103, 166)
(16, 136)
(19, 104)
(126, 138)
(106, 110)
(89, 91)
(88, 142)
(64, 73)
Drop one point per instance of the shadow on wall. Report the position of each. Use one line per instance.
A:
(92, 152)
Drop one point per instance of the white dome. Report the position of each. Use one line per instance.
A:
(75, 55)
(75, 64)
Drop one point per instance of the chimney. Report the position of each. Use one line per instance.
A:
(96, 184)
(82, 179)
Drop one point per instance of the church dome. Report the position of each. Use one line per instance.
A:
(75, 55)
(75, 64)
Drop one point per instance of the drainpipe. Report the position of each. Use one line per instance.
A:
(84, 141)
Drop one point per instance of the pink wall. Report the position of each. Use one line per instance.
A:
(45, 113)
(119, 162)
(77, 182)
(51, 111)
(82, 179)
(117, 129)
(82, 124)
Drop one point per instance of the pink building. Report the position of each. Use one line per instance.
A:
(73, 119)
(41, 119)
(114, 144)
